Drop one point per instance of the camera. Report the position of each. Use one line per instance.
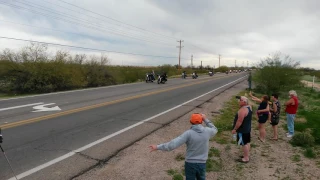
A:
(238, 97)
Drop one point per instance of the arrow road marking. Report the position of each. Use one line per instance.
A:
(41, 108)
(16, 107)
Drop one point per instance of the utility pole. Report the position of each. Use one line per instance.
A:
(179, 51)
(201, 64)
(219, 60)
(192, 61)
(213, 65)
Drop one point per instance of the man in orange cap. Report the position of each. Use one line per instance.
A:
(197, 141)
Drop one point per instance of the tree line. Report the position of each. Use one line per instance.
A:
(32, 70)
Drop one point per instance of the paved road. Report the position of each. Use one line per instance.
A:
(34, 138)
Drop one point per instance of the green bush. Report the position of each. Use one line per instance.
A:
(214, 152)
(276, 73)
(296, 158)
(171, 172)
(303, 139)
(309, 153)
(177, 177)
(213, 165)
(31, 70)
(180, 157)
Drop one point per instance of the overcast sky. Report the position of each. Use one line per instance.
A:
(242, 31)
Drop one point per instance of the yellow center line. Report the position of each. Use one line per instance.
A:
(33, 120)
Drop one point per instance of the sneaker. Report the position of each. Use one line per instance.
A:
(289, 136)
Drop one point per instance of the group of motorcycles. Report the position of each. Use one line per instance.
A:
(194, 75)
(162, 78)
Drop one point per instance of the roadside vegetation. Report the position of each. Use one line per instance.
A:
(34, 70)
(277, 74)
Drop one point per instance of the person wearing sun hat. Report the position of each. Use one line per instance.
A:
(197, 141)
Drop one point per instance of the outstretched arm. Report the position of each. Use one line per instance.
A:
(173, 144)
(254, 98)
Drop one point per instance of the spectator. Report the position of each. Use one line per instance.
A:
(291, 111)
(242, 127)
(197, 140)
(249, 80)
(275, 115)
(263, 114)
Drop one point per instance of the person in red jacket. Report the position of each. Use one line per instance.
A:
(291, 111)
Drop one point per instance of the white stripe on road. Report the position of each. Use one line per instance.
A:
(65, 92)
(16, 107)
(79, 90)
(38, 168)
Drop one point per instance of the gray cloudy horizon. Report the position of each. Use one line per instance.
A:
(244, 30)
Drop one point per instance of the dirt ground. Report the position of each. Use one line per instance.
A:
(309, 84)
(269, 160)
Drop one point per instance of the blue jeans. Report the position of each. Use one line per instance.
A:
(195, 171)
(290, 123)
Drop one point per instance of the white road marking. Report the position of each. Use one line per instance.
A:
(65, 92)
(41, 108)
(16, 107)
(47, 164)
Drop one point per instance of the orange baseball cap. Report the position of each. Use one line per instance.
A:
(196, 118)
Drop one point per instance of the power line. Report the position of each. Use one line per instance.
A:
(85, 48)
(72, 22)
(115, 19)
(77, 23)
(81, 13)
(199, 48)
(75, 18)
(120, 24)
(20, 24)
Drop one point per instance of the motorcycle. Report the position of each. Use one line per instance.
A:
(149, 78)
(210, 73)
(162, 79)
(194, 76)
(183, 75)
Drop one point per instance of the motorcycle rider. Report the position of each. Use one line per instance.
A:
(151, 76)
(194, 75)
(184, 74)
(163, 76)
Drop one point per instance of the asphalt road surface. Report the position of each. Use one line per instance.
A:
(39, 129)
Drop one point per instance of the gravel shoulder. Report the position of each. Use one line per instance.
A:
(269, 160)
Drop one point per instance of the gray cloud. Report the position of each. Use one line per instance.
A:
(245, 30)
